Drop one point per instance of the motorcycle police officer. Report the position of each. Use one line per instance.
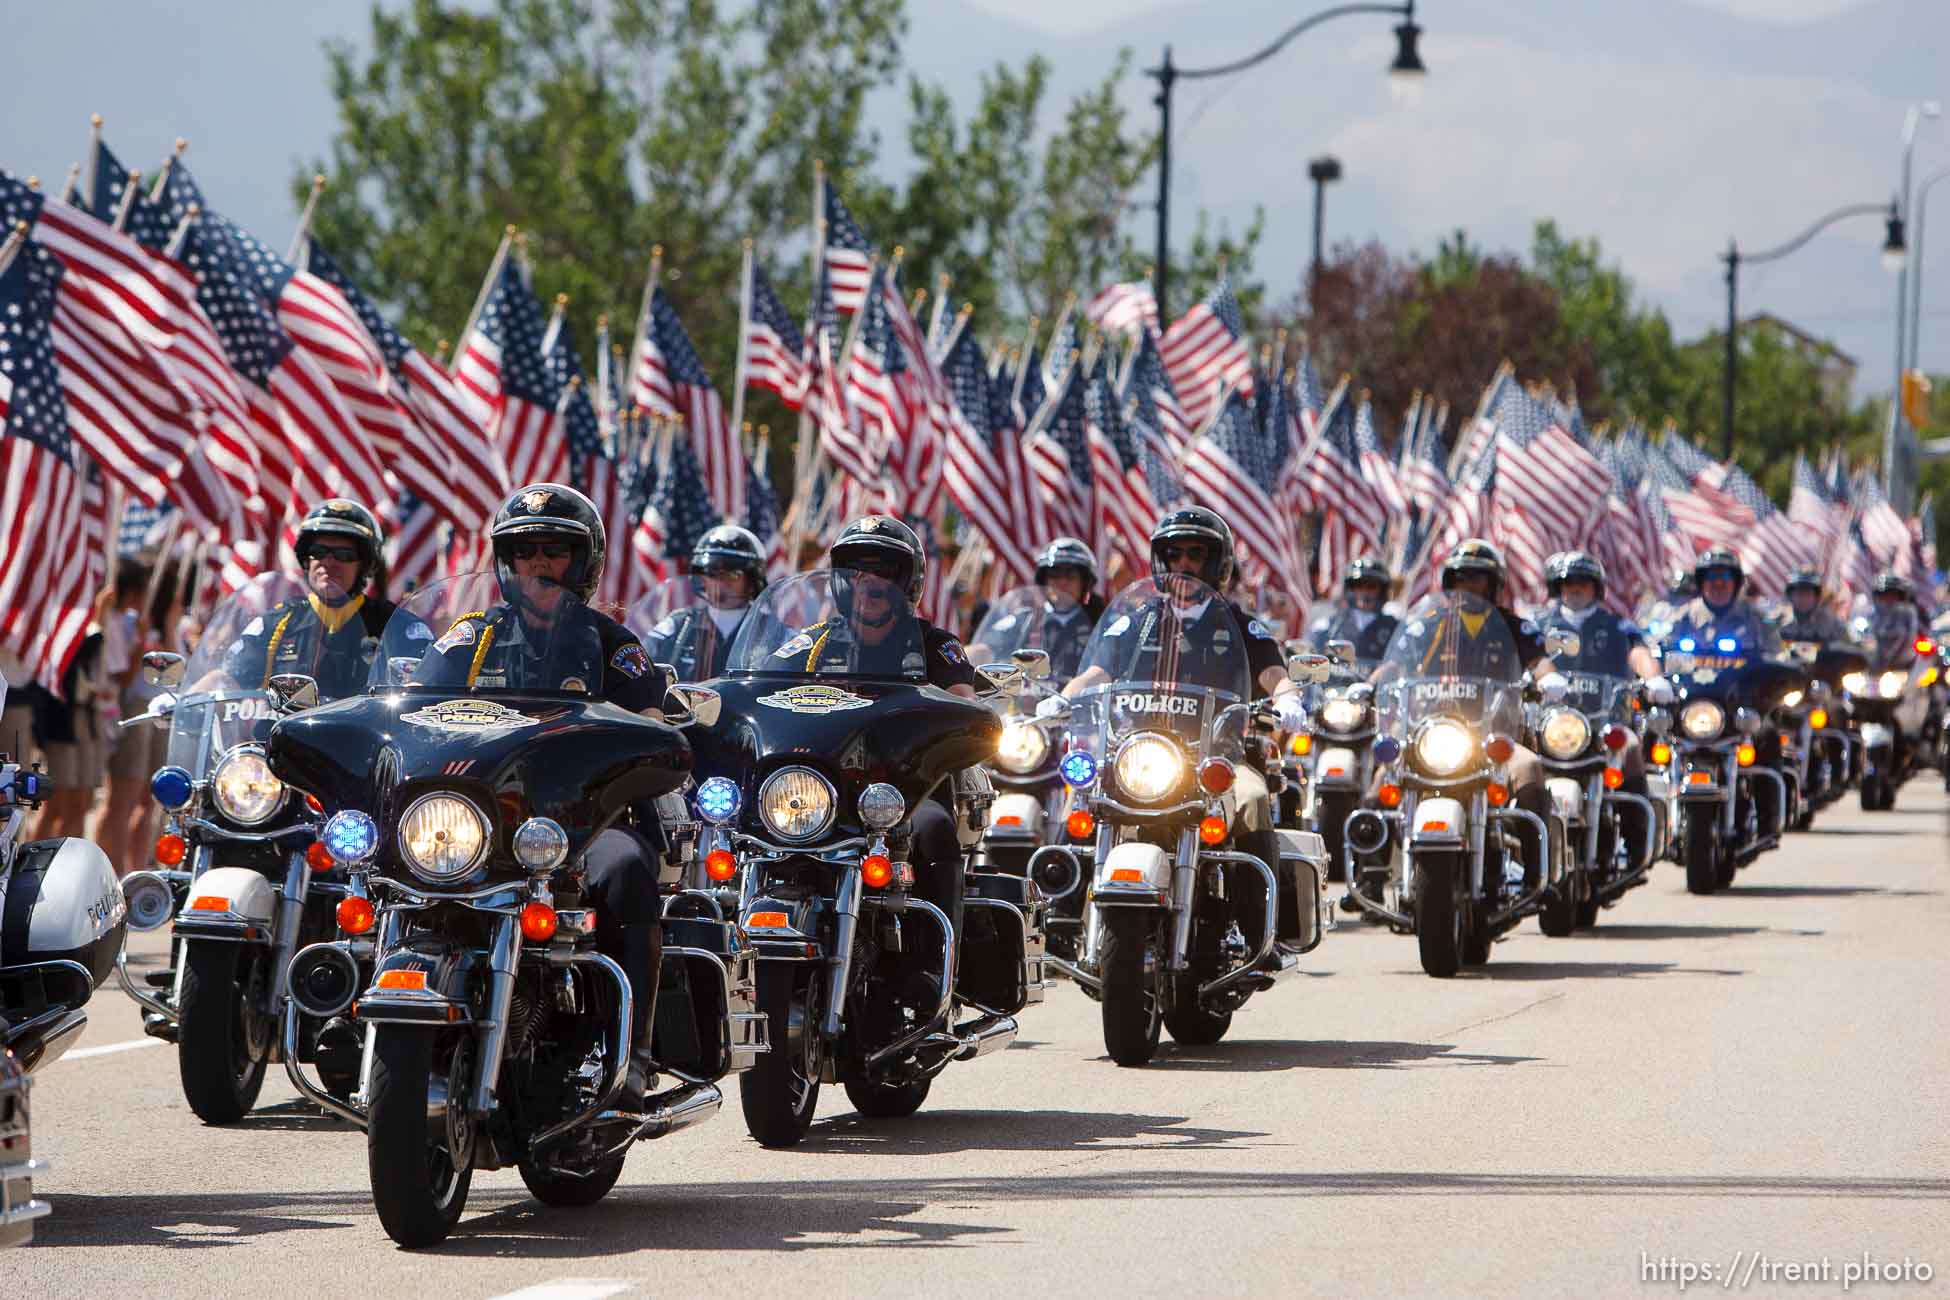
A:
(1718, 613)
(1066, 570)
(728, 568)
(1809, 619)
(332, 632)
(1359, 617)
(549, 553)
(1607, 643)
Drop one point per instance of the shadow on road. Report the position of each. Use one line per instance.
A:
(1683, 931)
(1598, 970)
(1248, 1056)
(1822, 891)
(942, 1132)
(191, 1220)
(295, 1117)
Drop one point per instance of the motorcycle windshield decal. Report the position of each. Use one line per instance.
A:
(469, 715)
(815, 699)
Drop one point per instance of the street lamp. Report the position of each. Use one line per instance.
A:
(1321, 171)
(1892, 258)
(1405, 77)
(1898, 456)
(1916, 237)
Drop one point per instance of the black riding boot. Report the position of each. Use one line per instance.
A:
(1536, 849)
(642, 963)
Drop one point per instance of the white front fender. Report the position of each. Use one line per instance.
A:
(1133, 872)
(1016, 816)
(1439, 821)
(1567, 798)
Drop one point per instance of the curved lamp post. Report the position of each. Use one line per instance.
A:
(1405, 76)
(1893, 257)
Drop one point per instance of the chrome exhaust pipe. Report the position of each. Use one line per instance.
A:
(990, 1034)
(678, 1109)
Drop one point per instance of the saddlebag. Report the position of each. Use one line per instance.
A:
(1001, 965)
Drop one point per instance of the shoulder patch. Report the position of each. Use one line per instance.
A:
(631, 659)
(1526, 627)
(256, 626)
(1257, 628)
(1120, 626)
(951, 651)
(463, 632)
(797, 645)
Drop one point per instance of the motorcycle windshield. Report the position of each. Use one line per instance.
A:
(1017, 620)
(831, 623)
(1893, 630)
(1598, 694)
(223, 702)
(658, 604)
(1171, 650)
(476, 634)
(682, 628)
(1452, 656)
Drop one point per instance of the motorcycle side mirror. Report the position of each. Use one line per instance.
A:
(1034, 663)
(1309, 668)
(685, 705)
(1340, 651)
(1658, 721)
(1006, 678)
(294, 691)
(1558, 641)
(162, 668)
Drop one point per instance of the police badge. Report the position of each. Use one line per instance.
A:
(535, 502)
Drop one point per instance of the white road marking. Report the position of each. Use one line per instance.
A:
(571, 1288)
(108, 1048)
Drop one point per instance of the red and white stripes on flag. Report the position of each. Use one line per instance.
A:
(1204, 351)
(669, 380)
(1124, 308)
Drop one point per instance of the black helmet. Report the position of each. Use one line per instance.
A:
(883, 537)
(1071, 553)
(1366, 569)
(1474, 555)
(1890, 580)
(1196, 523)
(1805, 576)
(543, 510)
(1572, 564)
(1720, 558)
(340, 518)
(730, 547)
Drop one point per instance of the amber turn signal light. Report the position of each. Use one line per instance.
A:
(171, 850)
(721, 864)
(1080, 824)
(1614, 778)
(1212, 831)
(355, 914)
(1499, 794)
(538, 922)
(1390, 796)
(876, 870)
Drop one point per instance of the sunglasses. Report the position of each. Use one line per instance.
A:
(342, 554)
(546, 550)
(1172, 554)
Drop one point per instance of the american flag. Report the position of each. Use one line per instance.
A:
(671, 381)
(1376, 468)
(473, 480)
(1129, 308)
(1659, 483)
(416, 546)
(1703, 515)
(1057, 449)
(53, 519)
(592, 470)
(1205, 350)
(1155, 408)
(840, 431)
(873, 381)
(1424, 474)
(1773, 547)
(1705, 476)
(1557, 483)
(1335, 486)
(1065, 346)
(1026, 398)
(775, 352)
(1811, 508)
(1308, 406)
(1466, 515)
(849, 253)
(985, 472)
(680, 509)
(1633, 531)
(1228, 469)
(505, 382)
(918, 459)
(762, 516)
(1882, 528)
(1851, 570)
(1125, 508)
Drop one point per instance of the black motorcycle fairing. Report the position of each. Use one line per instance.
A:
(577, 760)
(908, 735)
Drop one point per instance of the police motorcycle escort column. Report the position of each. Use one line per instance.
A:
(1195, 902)
(238, 867)
(1588, 743)
(1460, 805)
(1890, 699)
(842, 789)
(1043, 630)
(62, 919)
(1724, 661)
(506, 800)
(1333, 762)
(1821, 747)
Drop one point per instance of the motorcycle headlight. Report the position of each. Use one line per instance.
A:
(796, 803)
(1023, 748)
(1149, 767)
(1702, 719)
(244, 788)
(881, 806)
(1565, 733)
(1341, 714)
(1791, 700)
(1892, 683)
(442, 837)
(1855, 683)
(1443, 748)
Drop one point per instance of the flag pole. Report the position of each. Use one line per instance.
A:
(643, 311)
(555, 318)
(304, 218)
(487, 287)
(127, 204)
(182, 235)
(1028, 350)
(16, 239)
(94, 154)
(942, 283)
(168, 166)
(68, 187)
(744, 333)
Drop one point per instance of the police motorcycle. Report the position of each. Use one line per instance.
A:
(1581, 734)
(1722, 752)
(62, 919)
(238, 871)
(1819, 747)
(1029, 791)
(811, 776)
(1450, 867)
(493, 1031)
(1330, 767)
(1166, 775)
(1890, 699)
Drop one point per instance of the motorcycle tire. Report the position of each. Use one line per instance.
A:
(1333, 836)
(416, 1190)
(221, 1072)
(1726, 867)
(781, 1091)
(887, 1100)
(1190, 1023)
(1871, 794)
(1558, 918)
(1702, 853)
(1133, 1017)
(1442, 929)
(564, 1192)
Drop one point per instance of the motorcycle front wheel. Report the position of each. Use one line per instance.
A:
(1702, 851)
(1441, 917)
(222, 1046)
(1133, 1010)
(419, 1181)
(781, 1091)
(887, 1100)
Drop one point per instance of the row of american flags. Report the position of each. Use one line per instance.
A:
(161, 361)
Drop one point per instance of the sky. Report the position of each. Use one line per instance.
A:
(1659, 127)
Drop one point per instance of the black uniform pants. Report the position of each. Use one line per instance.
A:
(620, 875)
(937, 859)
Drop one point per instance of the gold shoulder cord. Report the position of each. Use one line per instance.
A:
(271, 647)
(813, 658)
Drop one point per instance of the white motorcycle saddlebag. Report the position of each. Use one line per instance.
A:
(60, 901)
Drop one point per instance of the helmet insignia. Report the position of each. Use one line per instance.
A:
(536, 501)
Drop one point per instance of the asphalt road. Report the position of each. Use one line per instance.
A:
(1747, 1081)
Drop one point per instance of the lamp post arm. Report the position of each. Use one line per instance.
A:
(1406, 10)
(1852, 210)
